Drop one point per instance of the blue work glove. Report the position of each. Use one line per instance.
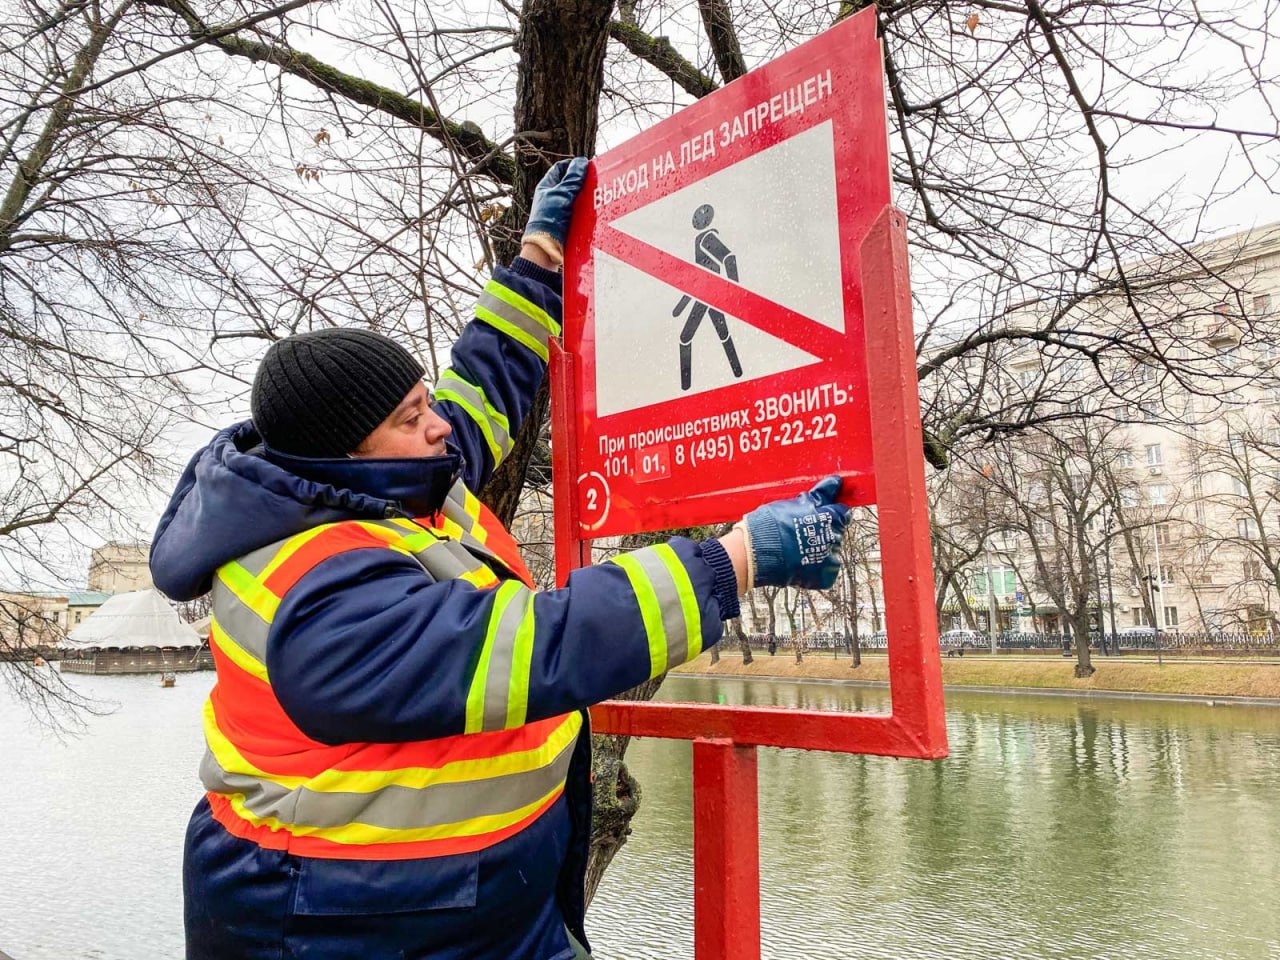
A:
(797, 542)
(552, 206)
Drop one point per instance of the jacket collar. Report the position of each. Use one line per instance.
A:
(418, 486)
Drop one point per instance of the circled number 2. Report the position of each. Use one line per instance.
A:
(594, 503)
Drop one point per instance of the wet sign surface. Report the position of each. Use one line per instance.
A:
(713, 295)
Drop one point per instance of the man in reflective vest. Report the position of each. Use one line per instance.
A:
(396, 763)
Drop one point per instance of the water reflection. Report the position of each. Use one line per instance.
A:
(1058, 829)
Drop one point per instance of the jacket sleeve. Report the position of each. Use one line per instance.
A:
(497, 365)
(368, 648)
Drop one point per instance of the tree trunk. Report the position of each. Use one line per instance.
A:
(556, 115)
(1084, 660)
(735, 626)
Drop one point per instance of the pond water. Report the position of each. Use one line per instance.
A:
(1058, 829)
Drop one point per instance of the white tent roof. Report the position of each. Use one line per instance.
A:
(139, 619)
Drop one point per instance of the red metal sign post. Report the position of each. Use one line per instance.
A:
(867, 426)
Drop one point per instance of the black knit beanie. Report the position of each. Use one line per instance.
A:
(320, 394)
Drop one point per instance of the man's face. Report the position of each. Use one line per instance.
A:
(412, 430)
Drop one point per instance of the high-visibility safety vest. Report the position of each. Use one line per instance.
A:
(268, 782)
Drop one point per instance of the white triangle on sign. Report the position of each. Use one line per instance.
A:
(775, 211)
(637, 343)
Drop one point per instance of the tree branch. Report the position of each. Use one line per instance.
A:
(717, 21)
(468, 137)
(658, 53)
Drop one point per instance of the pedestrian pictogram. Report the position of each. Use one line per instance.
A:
(709, 252)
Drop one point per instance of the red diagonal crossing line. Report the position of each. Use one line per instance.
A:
(712, 289)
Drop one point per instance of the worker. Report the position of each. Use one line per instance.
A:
(397, 759)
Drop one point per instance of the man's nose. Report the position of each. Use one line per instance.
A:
(437, 427)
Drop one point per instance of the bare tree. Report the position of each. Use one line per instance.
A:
(338, 198)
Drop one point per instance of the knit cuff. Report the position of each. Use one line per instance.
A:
(726, 580)
(527, 268)
(764, 542)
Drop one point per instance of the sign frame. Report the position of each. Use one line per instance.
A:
(725, 738)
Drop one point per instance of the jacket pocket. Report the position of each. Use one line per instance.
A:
(363, 887)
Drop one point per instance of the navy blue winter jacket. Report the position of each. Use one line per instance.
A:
(367, 648)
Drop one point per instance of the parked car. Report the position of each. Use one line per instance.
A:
(959, 639)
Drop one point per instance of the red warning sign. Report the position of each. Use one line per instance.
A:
(713, 302)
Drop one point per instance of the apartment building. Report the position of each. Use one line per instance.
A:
(1164, 508)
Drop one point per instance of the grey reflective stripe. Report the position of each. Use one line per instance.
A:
(664, 588)
(458, 514)
(448, 560)
(444, 559)
(472, 396)
(240, 623)
(514, 317)
(257, 561)
(497, 683)
(391, 807)
(458, 493)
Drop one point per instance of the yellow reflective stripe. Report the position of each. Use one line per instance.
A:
(527, 307)
(688, 599)
(249, 590)
(512, 331)
(650, 612)
(491, 412)
(458, 771)
(475, 696)
(478, 418)
(237, 654)
(521, 659)
(487, 417)
(471, 504)
(416, 778)
(360, 833)
(292, 546)
(482, 578)
(451, 528)
(225, 752)
(416, 542)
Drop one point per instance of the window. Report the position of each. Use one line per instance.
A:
(1158, 494)
(1246, 529)
(1140, 617)
(1166, 574)
(1124, 458)
(1170, 616)
(1164, 534)
(1027, 377)
(1144, 373)
(1155, 456)
(1261, 304)
(1239, 487)
(1252, 570)
(1129, 497)
(79, 614)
